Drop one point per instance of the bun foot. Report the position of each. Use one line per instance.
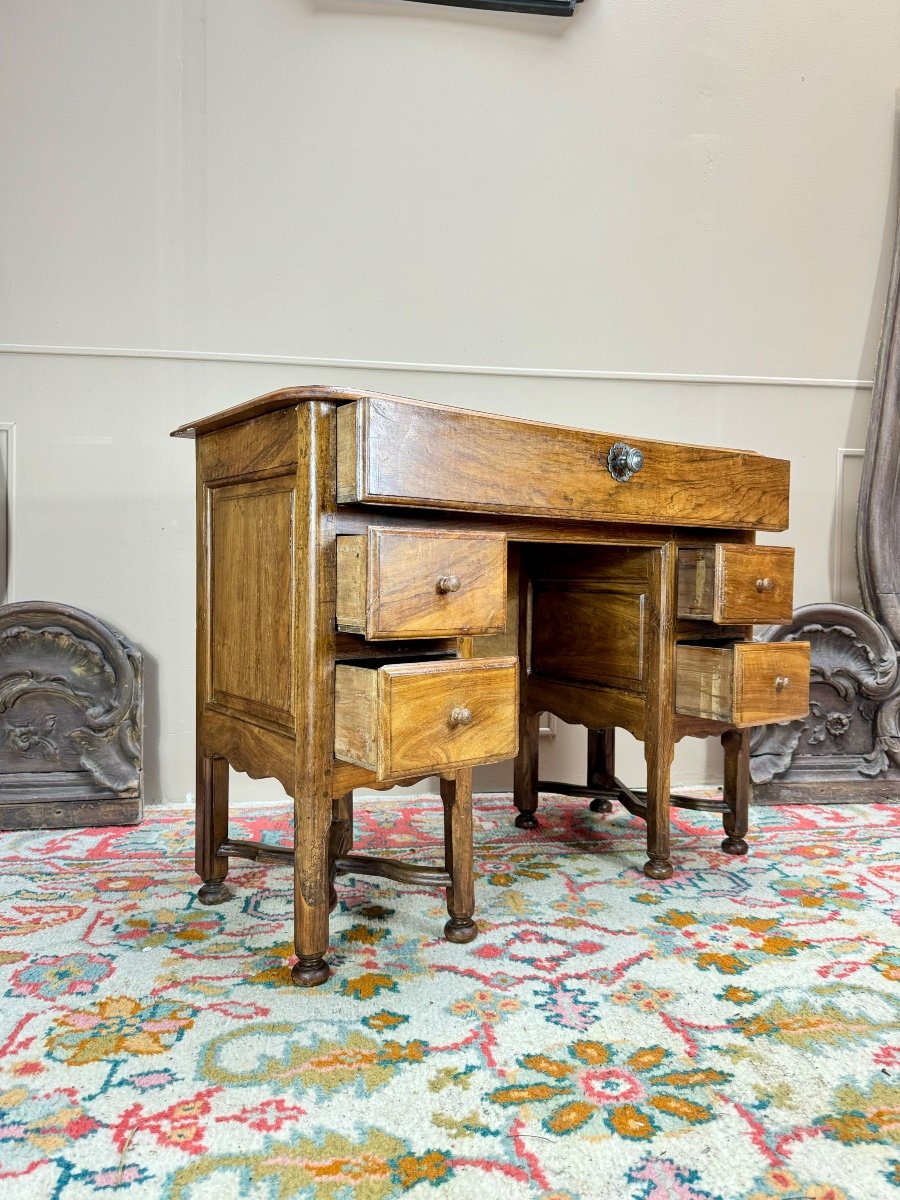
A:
(599, 805)
(734, 845)
(214, 891)
(658, 868)
(310, 972)
(526, 821)
(460, 929)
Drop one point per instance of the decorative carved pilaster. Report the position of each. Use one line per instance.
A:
(71, 694)
(848, 748)
(878, 520)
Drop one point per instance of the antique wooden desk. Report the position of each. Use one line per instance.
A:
(389, 590)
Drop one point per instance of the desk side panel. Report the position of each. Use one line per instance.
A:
(246, 592)
(252, 597)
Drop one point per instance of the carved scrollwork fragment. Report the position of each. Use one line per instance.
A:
(853, 678)
(70, 719)
(849, 745)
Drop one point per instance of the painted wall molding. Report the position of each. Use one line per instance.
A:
(848, 474)
(288, 360)
(7, 512)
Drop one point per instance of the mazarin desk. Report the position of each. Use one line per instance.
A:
(389, 590)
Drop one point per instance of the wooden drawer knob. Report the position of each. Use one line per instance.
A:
(782, 683)
(764, 585)
(448, 583)
(460, 716)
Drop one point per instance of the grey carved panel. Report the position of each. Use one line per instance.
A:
(71, 702)
(848, 748)
(849, 745)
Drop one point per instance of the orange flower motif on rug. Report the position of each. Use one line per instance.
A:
(120, 1025)
(727, 1034)
(629, 1091)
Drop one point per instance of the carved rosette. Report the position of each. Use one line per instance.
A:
(70, 717)
(849, 745)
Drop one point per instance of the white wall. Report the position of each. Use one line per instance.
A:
(666, 219)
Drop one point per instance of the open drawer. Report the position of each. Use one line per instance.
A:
(736, 585)
(749, 683)
(421, 583)
(407, 720)
(394, 451)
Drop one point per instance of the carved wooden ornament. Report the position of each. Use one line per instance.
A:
(848, 748)
(71, 694)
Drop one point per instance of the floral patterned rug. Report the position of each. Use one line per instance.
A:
(729, 1034)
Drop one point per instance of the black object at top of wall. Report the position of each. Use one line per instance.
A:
(549, 8)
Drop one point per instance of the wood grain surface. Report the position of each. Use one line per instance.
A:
(733, 584)
(313, 658)
(260, 751)
(411, 719)
(396, 583)
(252, 450)
(589, 635)
(251, 412)
(750, 683)
(251, 617)
(391, 451)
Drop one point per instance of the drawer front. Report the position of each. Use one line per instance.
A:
(750, 683)
(397, 583)
(393, 451)
(736, 585)
(408, 720)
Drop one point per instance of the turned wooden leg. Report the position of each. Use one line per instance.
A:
(312, 868)
(314, 638)
(211, 829)
(659, 722)
(310, 943)
(659, 750)
(525, 767)
(525, 771)
(736, 744)
(340, 840)
(601, 765)
(458, 856)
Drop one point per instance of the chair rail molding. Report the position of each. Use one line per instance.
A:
(427, 368)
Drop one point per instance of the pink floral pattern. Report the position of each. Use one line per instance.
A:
(605, 1035)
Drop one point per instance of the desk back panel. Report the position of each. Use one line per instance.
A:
(589, 612)
(589, 635)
